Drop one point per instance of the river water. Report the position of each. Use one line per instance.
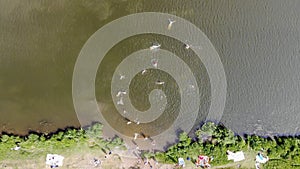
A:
(258, 43)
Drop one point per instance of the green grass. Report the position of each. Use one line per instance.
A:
(212, 140)
(70, 140)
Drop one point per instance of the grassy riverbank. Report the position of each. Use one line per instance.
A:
(79, 147)
(214, 140)
(73, 144)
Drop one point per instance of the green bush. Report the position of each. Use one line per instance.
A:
(34, 145)
(214, 140)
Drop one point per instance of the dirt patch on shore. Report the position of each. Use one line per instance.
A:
(118, 159)
(85, 160)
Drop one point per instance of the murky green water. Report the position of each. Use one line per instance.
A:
(258, 42)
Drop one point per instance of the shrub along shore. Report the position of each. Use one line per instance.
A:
(36, 145)
(212, 140)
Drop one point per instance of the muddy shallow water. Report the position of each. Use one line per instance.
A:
(258, 43)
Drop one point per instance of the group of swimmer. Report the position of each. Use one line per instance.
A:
(120, 95)
(154, 63)
(156, 46)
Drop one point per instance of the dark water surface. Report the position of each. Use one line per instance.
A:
(258, 43)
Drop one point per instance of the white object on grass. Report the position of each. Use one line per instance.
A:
(181, 162)
(237, 156)
(54, 160)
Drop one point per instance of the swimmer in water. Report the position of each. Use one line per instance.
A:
(155, 46)
(121, 93)
(170, 23)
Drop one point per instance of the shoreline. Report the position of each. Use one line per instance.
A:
(43, 128)
(12, 132)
